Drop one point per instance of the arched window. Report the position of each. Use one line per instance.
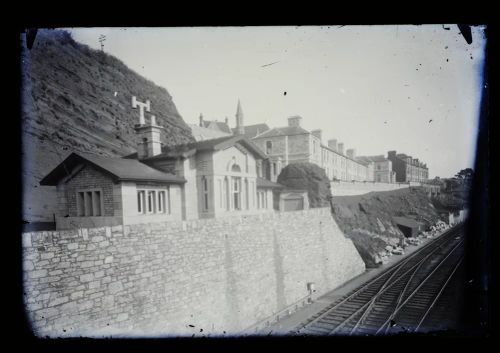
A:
(236, 168)
(269, 147)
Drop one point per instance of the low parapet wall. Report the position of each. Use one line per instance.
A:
(199, 277)
(347, 188)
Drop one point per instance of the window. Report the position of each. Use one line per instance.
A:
(89, 203)
(237, 193)
(226, 194)
(96, 203)
(269, 147)
(140, 201)
(261, 200)
(169, 206)
(247, 195)
(151, 202)
(274, 168)
(204, 182)
(252, 191)
(161, 201)
(80, 201)
(221, 195)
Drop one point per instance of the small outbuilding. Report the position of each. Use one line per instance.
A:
(408, 226)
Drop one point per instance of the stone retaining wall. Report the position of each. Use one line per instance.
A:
(347, 188)
(181, 278)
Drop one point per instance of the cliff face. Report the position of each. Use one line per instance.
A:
(368, 219)
(78, 99)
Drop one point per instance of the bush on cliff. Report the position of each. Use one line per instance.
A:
(310, 177)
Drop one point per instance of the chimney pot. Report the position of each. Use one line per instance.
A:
(294, 121)
(317, 133)
(332, 144)
(340, 148)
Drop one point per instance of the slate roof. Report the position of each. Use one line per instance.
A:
(220, 125)
(253, 130)
(264, 183)
(203, 133)
(217, 144)
(284, 131)
(343, 155)
(379, 158)
(407, 222)
(119, 168)
(362, 161)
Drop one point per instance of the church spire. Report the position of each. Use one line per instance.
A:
(240, 128)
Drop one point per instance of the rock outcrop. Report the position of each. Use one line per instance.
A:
(310, 177)
(78, 99)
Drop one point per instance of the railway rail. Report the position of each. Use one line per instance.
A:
(402, 298)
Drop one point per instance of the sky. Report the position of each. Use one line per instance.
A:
(413, 89)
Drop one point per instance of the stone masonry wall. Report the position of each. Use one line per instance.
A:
(90, 178)
(181, 278)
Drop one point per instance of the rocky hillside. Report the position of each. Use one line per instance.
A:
(367, 219)
(78, 99)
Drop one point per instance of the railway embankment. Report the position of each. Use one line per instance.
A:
(369, 220)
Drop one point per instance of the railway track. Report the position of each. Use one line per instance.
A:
(401, 299)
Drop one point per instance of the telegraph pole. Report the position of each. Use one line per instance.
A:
(102, 38)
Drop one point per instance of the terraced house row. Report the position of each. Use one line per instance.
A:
(293, 144)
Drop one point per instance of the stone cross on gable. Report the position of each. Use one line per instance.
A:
(141, 106)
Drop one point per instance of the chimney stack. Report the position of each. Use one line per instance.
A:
(227, 121)
(317, 133)
(149, 136)
(137, 104)
(294, 121)
(351, 153)
(340, 148)
(391, 154)
(332, 144)
(201, 120)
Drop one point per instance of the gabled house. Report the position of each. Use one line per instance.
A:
(205, 179)
(96, 191)
(224, 176)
